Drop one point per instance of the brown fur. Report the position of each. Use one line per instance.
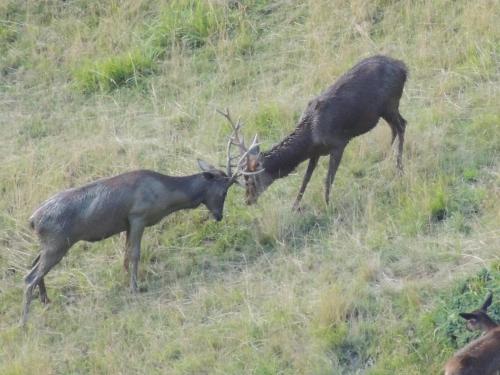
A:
(481, 356)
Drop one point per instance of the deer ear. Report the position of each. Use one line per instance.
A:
(256, 149)
(204, 166)
(467, 316)
(487, 303)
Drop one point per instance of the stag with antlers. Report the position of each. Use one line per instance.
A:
(350, 107)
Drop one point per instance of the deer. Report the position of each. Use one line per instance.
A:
(481, 356)
(128, 203)
(350, 107)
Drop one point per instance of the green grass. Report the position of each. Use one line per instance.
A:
(372, 284)
(189, 23)
(113, 72)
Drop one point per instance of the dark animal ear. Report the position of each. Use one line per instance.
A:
(204, 166)
(467, 316)
(208, 175)
(256, 149)
(487, 303)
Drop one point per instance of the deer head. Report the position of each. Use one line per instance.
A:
(257, 179)
(217, 184)
(479, 319)
(249, 165)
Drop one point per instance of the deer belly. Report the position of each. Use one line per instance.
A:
(363, 128)
(104, 232)
(99, 227)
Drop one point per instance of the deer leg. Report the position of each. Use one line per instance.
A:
(126, 260)
(43, 292)
(35, 262)
(335, 158)
(394, 134)
(398, 125)
(401, 138)
(32, 279)
(28, 296)
(310, 168)
(135, 236)
(41, 286)
(46, 261)
(399, 158)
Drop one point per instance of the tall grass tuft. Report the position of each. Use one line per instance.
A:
(113, 72)
(187, 23)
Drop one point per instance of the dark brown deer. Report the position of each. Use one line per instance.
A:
(127, 203)
(350, 107)
(481, 356)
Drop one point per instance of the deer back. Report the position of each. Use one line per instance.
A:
(479, 357)
(355, 102)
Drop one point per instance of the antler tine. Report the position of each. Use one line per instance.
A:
(240, 171)
(229, 158)
(234, 139)
(227, 115)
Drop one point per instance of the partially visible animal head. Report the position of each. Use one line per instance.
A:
(218, 184)
(481, 355)
(249, 162)
(257, 180)
(479, 319)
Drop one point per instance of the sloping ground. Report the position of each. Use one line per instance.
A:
(371, 285)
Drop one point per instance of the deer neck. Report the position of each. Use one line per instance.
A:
(187, 191)
(283, 158)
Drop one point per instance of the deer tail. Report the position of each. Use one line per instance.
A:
(32, 223)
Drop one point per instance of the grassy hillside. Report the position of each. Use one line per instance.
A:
(370, 285)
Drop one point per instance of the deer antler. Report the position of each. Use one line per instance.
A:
(236, 140)
(235, 137)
